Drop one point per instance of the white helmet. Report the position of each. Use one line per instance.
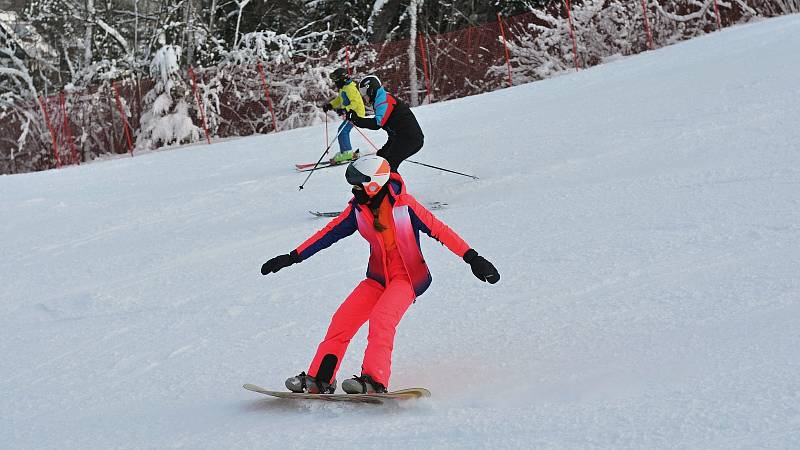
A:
(369, 172)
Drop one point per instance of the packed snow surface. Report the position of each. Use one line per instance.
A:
(644, 216)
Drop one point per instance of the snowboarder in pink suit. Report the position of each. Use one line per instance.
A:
(389, 219)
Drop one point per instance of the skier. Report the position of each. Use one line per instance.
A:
(390, 220)
(348, 100)
(395, 117)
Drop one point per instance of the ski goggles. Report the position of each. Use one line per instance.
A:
(354, 177)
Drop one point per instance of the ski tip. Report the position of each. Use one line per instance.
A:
(325, 214)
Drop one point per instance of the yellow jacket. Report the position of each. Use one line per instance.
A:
(350, 99)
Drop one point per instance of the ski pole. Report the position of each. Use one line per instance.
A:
(444, 170)
(421, 164)
(326, 126)
(320, 157)
(364, 136)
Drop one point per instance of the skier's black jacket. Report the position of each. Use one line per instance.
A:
(396, 118)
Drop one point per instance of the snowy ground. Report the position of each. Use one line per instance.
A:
(644, 215)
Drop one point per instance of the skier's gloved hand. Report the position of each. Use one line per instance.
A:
(352, 116)
(327, 107)
(341, 112)
(481, 268)
(279, 262)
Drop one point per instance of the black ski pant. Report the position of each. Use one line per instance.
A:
(398, 148)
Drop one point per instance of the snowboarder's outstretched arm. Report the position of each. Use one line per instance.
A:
(481, 267)
(340, 227)
(279, 262)
(435, 228)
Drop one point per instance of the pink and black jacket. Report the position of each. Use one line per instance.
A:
(409, 217)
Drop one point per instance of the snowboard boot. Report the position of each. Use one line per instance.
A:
(345, 156)
(307, 384)
(363, 385)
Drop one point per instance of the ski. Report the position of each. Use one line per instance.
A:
(375, 399)
(433, 206)
(325, 213)
(310, 165)
(321, 165)
(304, 167)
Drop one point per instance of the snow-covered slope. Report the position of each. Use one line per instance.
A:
(644, 216)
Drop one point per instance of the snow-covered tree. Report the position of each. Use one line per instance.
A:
(166, 119)
(608, 28)
(23, 137)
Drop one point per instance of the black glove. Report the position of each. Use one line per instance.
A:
(327, 107)
(482, 268)
(341, 112)
(352, 116)
(279, 262)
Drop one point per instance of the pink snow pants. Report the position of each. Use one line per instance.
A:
(383, 308)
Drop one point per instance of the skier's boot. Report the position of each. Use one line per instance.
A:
(308, 384)
(363, 385)
(345, 156)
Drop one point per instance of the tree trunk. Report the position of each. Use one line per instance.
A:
(412, 54)
(240, 4)
(211, 16)
(380, 21)
(89, 35)
(189, 34)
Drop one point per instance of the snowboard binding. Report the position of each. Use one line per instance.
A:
(303, 383)
(363, 385)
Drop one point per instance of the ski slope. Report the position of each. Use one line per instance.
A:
(644, 216)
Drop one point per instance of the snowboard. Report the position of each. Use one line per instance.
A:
(433, 206)
(375, 399)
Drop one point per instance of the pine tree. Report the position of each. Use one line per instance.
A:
(166, 119)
